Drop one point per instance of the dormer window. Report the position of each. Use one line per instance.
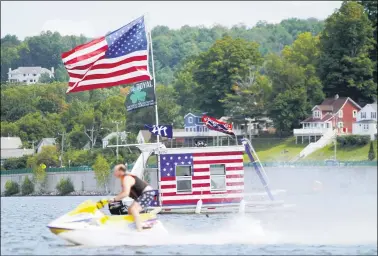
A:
(317, 114)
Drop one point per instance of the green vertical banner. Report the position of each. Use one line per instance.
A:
(141, 95)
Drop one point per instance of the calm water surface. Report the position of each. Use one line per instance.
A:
(341, 219)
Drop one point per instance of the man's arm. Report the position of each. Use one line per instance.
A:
(127, 184)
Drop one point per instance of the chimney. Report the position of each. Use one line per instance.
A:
(336, 96)
(10, 70)
(52, 70)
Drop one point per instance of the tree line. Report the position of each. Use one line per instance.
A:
(279, 71)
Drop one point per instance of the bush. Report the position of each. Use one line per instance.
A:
(11, 188)
(371, 154)
(65, 186)
(27, 186)
(353, 140)
(15, 163)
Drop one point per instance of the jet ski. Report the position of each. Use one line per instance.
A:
(87, 219)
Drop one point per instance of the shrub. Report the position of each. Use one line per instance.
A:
(371, 154)
(353, 140)
(65, 186)
(27, 186)
(15, 163)
(11, 188)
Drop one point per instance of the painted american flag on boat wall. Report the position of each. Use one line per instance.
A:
(214, 177)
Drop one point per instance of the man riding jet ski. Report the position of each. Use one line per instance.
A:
(132, 186)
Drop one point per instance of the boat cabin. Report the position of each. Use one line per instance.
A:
(213, 174)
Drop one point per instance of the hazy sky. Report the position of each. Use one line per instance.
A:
(96, 18)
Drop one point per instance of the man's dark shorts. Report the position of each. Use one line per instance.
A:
(146, 198)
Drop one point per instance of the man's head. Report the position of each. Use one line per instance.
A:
(120, 170)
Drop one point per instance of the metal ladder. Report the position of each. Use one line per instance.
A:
(254, 159)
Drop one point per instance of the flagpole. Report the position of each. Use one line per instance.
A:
(156, 116)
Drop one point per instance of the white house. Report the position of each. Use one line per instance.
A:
(122, 137)
(28, 75)
(366, 123)
(11, 147)
(45, 142)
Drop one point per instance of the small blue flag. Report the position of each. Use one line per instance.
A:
(162, 130)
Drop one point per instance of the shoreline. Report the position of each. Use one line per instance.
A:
(75, 193)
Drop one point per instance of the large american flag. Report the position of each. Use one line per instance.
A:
(201, 179)
(118, 58)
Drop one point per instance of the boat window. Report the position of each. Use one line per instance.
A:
(218, 177)
(183, 178)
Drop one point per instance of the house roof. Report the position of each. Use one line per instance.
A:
(311, 119)
(114, 135)
(10, 153)
(374, 106)
(334, 104)
(29, 70)
(11, 142)
(324, 107)
(47, 141)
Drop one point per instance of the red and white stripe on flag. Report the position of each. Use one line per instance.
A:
(116, 59)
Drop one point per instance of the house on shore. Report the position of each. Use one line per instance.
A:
(337, 113)
(11, 147)
(366, 123)
(28, 75)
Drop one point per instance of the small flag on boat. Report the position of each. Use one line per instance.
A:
(162, 130)
(141, 95)
(119, 58)
(217, 125)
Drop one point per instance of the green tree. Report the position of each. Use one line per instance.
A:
(289, 102)
(65, 186)
(371, 155)
(305, 52)
(227, 61)
(27, 186)
(11, 188)
(371, 10)
(249, 99)
(345, 67)
(45, 78)
(101, 169)
(39, 174)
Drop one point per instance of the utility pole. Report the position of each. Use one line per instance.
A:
(90, 137)
(61, 152)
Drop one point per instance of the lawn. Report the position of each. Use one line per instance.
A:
(357, 153)
(276, 149)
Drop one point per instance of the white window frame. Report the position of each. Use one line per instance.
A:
(363, 114)
(365, 127)
(354, 113)
(373, 114)
(190, 120)
(218, 176)
(341, 113)
(183, 178)
(317, 114)
(340, 125)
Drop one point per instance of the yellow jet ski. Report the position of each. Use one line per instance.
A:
(87, 219)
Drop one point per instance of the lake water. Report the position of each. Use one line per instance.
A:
(341, 219)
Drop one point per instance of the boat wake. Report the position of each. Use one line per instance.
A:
(237, 230)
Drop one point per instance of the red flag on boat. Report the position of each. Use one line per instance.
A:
(217, 125)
